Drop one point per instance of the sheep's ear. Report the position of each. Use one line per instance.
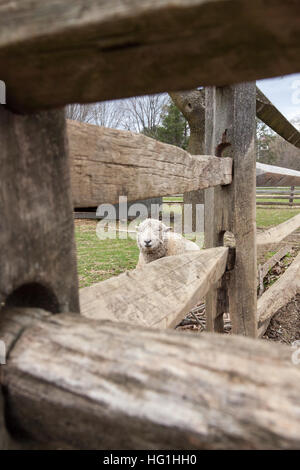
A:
(167, 229)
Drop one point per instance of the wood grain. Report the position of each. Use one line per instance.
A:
(108, 163)
(87, 384)
(36, 236)
(230, 120)
(158, 295)
(93, 50)
(270, 175)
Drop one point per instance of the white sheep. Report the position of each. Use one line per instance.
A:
(155, 241)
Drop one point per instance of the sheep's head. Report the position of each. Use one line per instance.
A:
(151, 234)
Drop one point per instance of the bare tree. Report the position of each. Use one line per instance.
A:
(80, 112)
(143, 112)
(106, 113)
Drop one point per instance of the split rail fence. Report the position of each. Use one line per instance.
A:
(107, 378)
(264, 197)
(278, 197)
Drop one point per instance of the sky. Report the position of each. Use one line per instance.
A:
(284, 93)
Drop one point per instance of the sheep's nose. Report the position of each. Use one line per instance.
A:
(147, 242)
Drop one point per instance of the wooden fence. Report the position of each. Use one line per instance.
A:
(278, 197)
(289, 197)
(107, 378)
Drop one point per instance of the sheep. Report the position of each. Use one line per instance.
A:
(155, 241)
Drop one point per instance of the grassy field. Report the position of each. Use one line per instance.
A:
(258, 199)
(268, 217)
(101, 259)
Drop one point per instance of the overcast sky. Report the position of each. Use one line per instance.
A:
(284, 92)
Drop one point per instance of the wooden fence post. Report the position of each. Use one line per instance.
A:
(291, 200)
(230, 125)
(38, 262)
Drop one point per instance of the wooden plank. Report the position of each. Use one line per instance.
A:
(68, 376)
(270, 115)
(230, 119)
(265, 268)
(292, 196)
(278, 295)
(4, 436)
(108, 163)
(88, 51)
(158, 295)
(38, 263)
(274, 196)
(280, 232)
(260, 192)
(270, 175)
(286, 204)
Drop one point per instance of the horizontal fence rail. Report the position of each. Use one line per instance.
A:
(108, 163)
(278, 233)
(158, 295)
(89, 384)
(270, 175)
(290, 196)
(137, 38)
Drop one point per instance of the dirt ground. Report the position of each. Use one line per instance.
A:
(285, 325)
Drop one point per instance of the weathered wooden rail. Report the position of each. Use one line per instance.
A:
(167, 290)
(108, 163)
(288, 197)
(79, 383)
(76, 50)
(76, 382)
(280, 232)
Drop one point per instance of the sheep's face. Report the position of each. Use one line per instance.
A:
(151, 235)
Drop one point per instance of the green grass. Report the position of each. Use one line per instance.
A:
(101, 259)
(270, 217)
(173, 198)
(266, 199)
